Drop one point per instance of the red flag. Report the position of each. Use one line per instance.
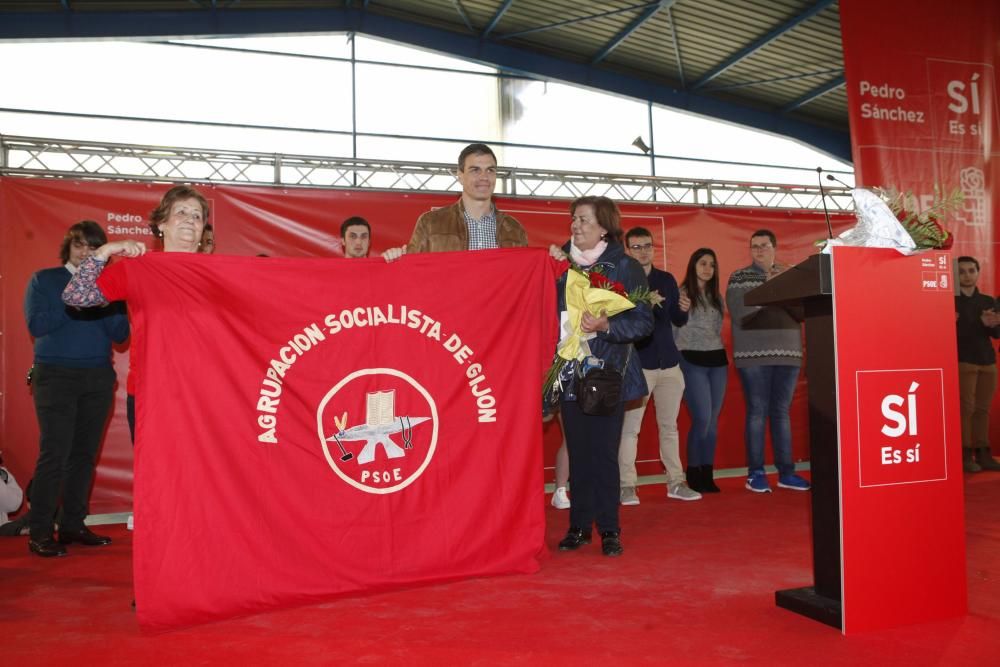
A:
(309, 428)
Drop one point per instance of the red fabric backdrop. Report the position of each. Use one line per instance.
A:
(34, 214)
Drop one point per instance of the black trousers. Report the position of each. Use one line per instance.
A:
(130, 415)
(592, 443)
(72, 405)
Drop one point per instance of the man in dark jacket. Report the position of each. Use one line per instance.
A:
(977, 324)
(73, 386)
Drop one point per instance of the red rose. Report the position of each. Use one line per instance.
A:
(601, 281)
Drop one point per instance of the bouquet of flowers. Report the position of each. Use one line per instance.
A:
(592, 292)
(888, 219)
(926, 228)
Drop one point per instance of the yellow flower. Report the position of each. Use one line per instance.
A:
(580, 298)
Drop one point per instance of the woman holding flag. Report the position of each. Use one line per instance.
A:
(178, 222)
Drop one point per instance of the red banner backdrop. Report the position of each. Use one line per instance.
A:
(299, 223)
(922, 97)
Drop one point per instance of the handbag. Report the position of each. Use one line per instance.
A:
(599, 391)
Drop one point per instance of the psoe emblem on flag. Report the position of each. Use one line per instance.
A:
(378, 428)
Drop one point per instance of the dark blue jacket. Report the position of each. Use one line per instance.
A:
(65, 336)
(632, 325)
(659, 351)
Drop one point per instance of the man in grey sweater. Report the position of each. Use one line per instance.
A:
(767, 353)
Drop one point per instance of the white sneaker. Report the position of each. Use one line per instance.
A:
(559, 499)
(628, 496)
(130, 524)
(681, 491)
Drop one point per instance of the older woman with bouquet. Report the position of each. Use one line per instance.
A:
(602, 316)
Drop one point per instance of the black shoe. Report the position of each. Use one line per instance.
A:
(707, 483)
(611, 543)
(575, 538)
(83, 536)
(693, 476)
(985, 459)
(46, 548)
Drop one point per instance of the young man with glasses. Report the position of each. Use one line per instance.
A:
(767, 353)
(661, 366)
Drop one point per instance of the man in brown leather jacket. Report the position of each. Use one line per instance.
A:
(471, 223)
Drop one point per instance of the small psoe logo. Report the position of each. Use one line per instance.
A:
(395, 443)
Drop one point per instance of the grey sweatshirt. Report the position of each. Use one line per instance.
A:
(780, 344)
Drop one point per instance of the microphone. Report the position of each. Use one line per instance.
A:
(822, 196)
(831, 177)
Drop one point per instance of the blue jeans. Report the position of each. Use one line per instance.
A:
(704, 390)
(768, 393)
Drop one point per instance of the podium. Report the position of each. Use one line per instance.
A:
(884, 437)
(809, 286)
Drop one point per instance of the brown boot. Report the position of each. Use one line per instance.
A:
(986, 460)
(968, 462)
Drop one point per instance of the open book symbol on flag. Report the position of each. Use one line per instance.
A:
(380, 423)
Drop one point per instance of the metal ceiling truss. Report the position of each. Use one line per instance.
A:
(54, 158)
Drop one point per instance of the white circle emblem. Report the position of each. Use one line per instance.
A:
(337, 462)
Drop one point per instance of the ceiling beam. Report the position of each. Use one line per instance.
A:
(580, 19)
(25, 26)
(461, 12)
(775, 79)
(677, 47)
(496, 17)
(636, 23)
(814, 93)
(757, 45)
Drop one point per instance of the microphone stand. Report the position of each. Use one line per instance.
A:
(822, 196)
(831, 177)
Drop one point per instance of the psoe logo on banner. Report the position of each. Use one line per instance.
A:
(378, 428)
(901, 429)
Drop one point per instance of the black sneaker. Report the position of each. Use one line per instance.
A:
(611, 543)
(575, 538)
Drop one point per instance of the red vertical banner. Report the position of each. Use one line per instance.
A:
(902, 521)
(922, 98)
